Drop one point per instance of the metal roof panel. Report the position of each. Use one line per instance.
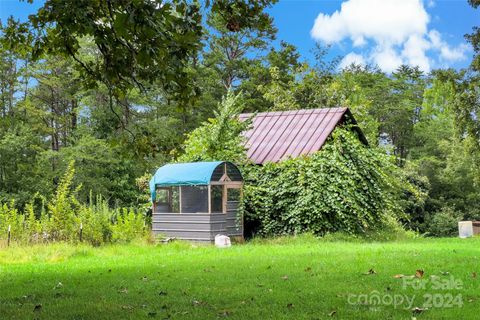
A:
(275, 136)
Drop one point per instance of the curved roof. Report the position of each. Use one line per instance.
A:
(185, 174)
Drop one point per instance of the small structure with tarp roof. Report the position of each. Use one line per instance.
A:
(197, 200)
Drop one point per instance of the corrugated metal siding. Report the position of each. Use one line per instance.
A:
(279, 135)
(198, 226)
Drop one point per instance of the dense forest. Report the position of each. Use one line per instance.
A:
(118, 87)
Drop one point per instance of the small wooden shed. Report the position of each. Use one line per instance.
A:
(197, 200)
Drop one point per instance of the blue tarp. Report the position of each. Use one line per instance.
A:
(183, 174)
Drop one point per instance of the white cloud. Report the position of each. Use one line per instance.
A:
(386, 58)
(414, 52)
(352, 58)
(397, 29)
(381, 20)
(447, 53)
(454, 54)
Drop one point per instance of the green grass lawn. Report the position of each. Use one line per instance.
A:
(301, 278)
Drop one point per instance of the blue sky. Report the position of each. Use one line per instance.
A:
(427, 33)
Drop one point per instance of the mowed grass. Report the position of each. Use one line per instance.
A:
(288, 278)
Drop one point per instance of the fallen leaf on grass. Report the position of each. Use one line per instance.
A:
(419, 273)
(331, 314)
(370, 272)
(285, 277)
(418, 310)
(198, 303)
(225, 313)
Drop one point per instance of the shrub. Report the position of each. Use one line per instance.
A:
(60, 219)
(32, 227)
(129, 226)
(61, 210)
(444, 223)
(96, 219)
(9, 216)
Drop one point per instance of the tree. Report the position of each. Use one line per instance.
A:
(364, 90)
(445, 153)
(238, 35)
(219, 138)
(101, 170)
(139, 42)
(474, 39)
(20, 149)
(468, 100)
(285, 60)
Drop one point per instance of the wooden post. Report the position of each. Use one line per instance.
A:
(224, 198)
(8, 237)
(179, 199)
(154, 200)
(170, 196)
(81, 232)
(209, 199)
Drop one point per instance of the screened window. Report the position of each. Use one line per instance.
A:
(175, 199)
(167, 200)
(217, 198)
(233, 194)
(162, 195)
(194, 199)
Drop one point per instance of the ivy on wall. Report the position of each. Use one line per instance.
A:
(347, 187)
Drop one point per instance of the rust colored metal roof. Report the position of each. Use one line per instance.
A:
(276, 136)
